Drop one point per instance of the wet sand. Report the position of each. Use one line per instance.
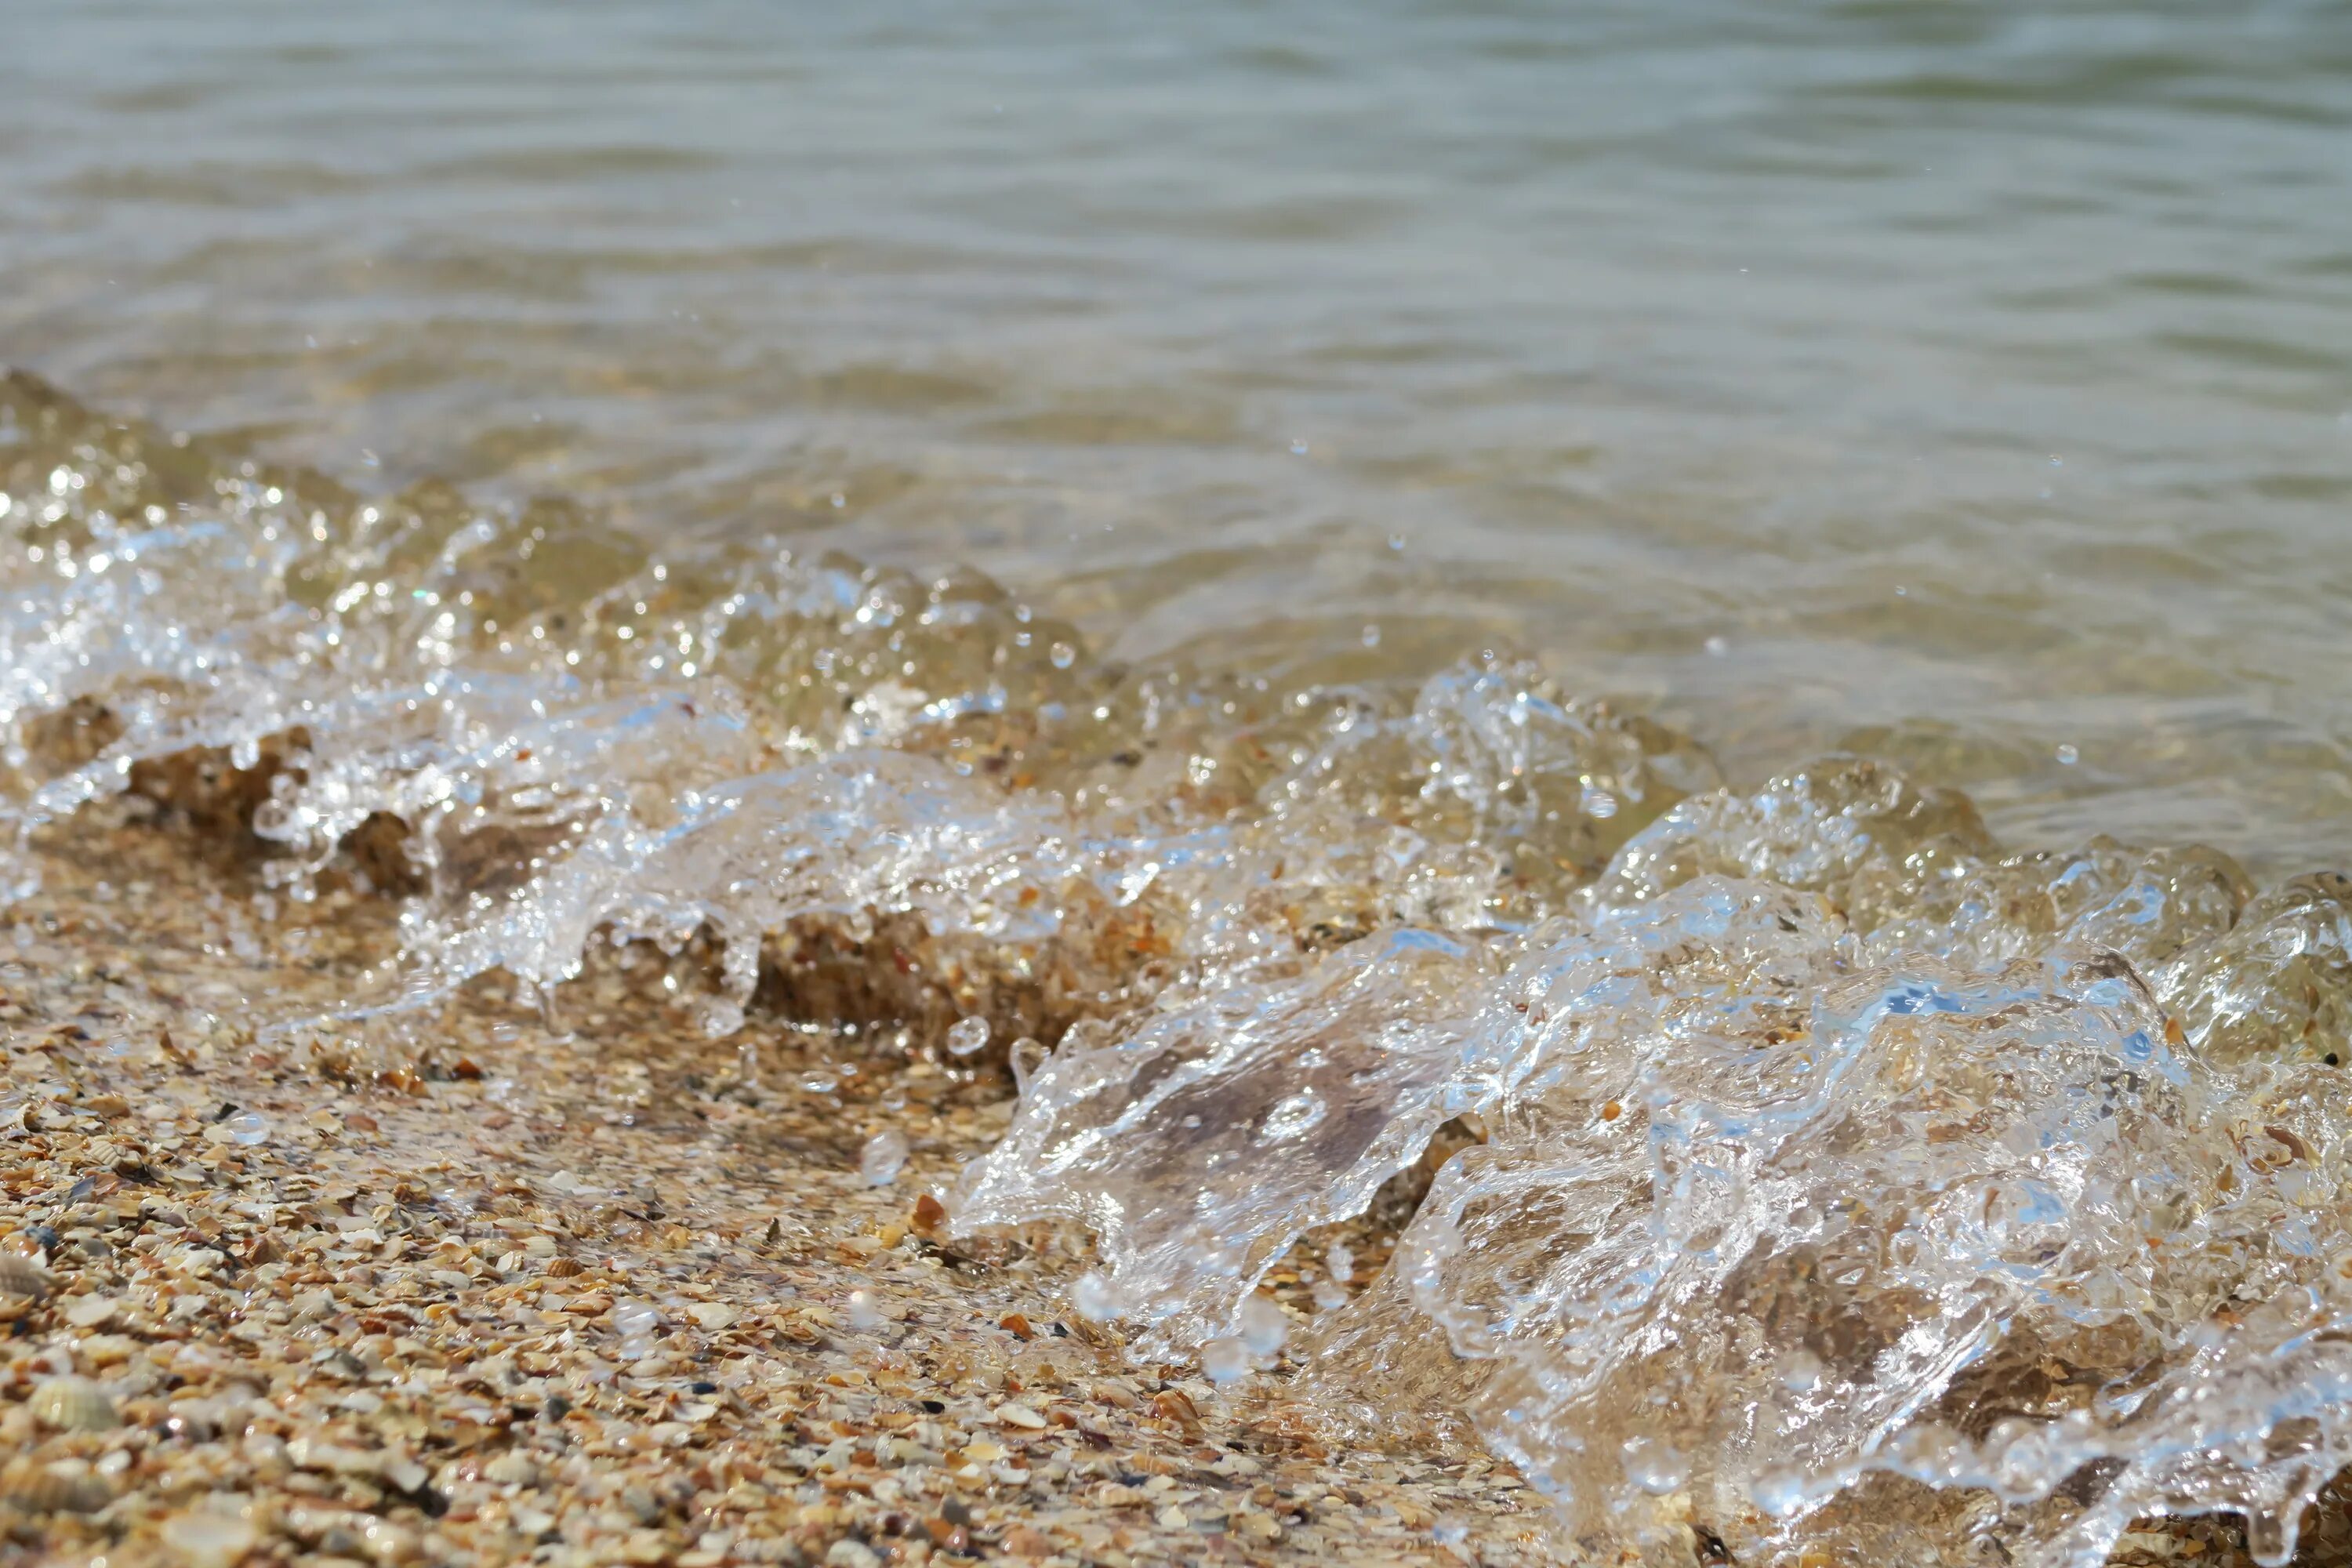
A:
(484, 1290)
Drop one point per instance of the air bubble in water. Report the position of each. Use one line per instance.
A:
(865, 1314)
(1293, 1116)
(968, 1036)
(248, 1128)
(1063, 655)
(884, 1156)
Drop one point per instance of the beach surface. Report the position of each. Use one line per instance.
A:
(617, 1292)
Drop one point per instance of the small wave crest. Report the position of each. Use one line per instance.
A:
(1843, 1181)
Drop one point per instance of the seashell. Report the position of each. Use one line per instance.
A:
(20, 1276)
(564, 1267)
(73, 1404)
(59, 1488)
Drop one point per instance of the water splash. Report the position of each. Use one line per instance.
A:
(1885, 1209)
(1850, 1184)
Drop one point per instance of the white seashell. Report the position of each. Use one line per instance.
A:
(73, 1404)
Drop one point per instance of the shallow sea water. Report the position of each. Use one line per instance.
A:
(1337, 564)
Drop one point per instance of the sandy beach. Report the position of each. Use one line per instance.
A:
(483, 1292)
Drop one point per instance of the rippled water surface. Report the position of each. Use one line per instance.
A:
(1974, 378)
(1739, 610)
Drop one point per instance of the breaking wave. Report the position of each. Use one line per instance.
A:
(1842, 1182)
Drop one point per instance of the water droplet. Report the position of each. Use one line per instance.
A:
(1718, 646)
(2069, 756)
(1225, 1359)
(1372, 636)
(967, 1036)
(1800, 1371)
(1653, 1467)
(1024, 1058)
(1328, 1298)
(1095, 1299)
(1778, 1492)
(635, 1319)
(1298, 449)
(1264, 1327)
(1292, 1116)
(865, 1311)
(884, 1156)
(250, 1128)
(1063, 655)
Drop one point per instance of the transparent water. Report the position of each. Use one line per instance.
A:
(1307, 558)
(1974, 377)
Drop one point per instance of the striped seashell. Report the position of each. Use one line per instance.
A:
(73, 1404)
(20, 1276)
(59, 1489)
